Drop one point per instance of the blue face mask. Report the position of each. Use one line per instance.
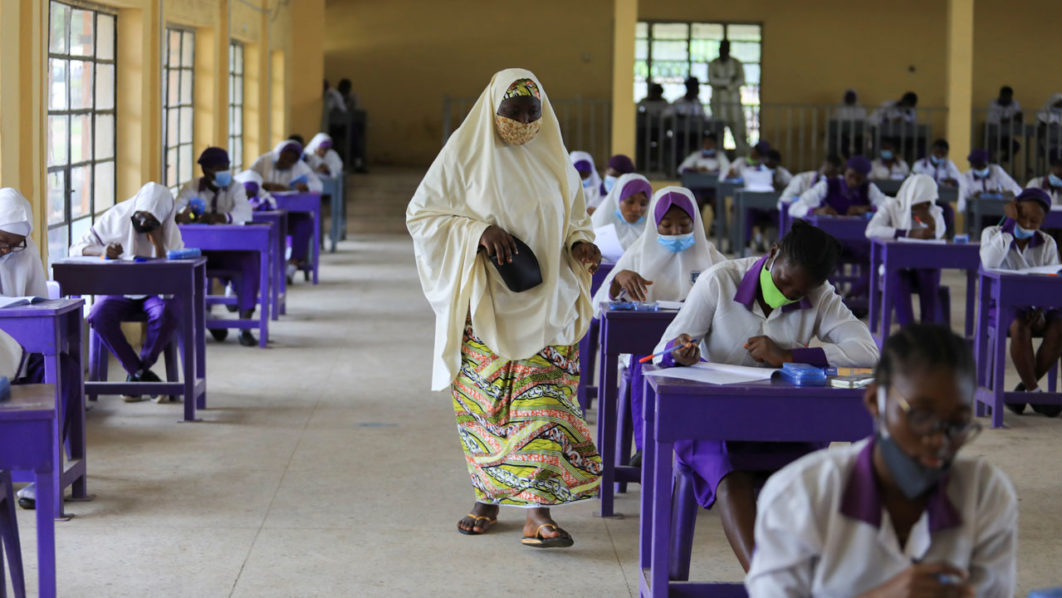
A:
(588, 182)
(1055, 181)
(983, 173)
(886, 154)
(707, 153)
(1022, 233)
(610, 181)
(222, 178)
(935, 160)
(676, 243)
(619, 214)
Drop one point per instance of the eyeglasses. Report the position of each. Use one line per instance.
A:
(17, 247)
(923, 422)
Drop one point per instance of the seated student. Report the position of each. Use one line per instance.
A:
(888, 165)
(661, 266)
(625, 208)
(831, 168)
(225, 202)
(912, 213)
(1004, 110)
(618, 165)
(283, 170)
(780, 174)
(758, 220)
(984, 178)
(259, 198)
(1019, 243)
(708, 159)
(893, 111)
(938, 166)
(754, 161)
(297, 139)
(1052, 183)
(1051, 112)
(850, 195)
(584, 165)
(761, 311)
(850, 108)
(901, 513)
(322, 158)
(142, 226)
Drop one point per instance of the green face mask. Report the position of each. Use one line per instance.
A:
(771, 295)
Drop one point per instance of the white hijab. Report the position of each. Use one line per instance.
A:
(266, 165)
(116, 226)
(331, 159)
(530, 190)
(21, 273)
(606, 214)
(263, 196)
(916, 189)
(672, 273)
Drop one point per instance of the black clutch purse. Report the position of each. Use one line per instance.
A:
(522, 273)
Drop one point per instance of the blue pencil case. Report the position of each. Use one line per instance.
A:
(183, 254)
(1046, 593)
(5, 389)
(802, 374)
(633, 306)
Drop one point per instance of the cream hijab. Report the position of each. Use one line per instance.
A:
(116, 226)
(21, 273)
(916, 189)
(532, 191)
(672, 273)
(606, 214)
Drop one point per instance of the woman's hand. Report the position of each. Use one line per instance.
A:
(764, 350)
(632, 282)
(587, 253)
(113, 251)
(939, 580)
(499, 245)
(685, 351)
(826, 211)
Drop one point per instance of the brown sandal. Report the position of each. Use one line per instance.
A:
(475, 521)
(538, 541)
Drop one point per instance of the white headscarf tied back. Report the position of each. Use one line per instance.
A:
(116, 226)
(625, 186)
(21, 273)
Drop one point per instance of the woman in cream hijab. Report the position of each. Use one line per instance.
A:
(510, 358)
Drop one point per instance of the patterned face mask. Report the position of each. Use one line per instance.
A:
(515, 132)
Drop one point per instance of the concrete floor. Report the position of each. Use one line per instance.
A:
(325, 467)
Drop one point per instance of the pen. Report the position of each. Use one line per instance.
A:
(649, 358)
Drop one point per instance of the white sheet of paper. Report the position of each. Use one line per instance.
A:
(669, 304)
(715, 373)
(608, 242)
(15, 301)
(1052, 269)
(929, 241)
(759, 180)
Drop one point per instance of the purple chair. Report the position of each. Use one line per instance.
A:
(99, 357)
(1052, 374)
(10, 541)
(588, 346)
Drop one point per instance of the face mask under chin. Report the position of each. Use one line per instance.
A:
(515, 132)
(913, 478)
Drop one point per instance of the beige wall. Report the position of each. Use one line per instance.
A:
(403, 56)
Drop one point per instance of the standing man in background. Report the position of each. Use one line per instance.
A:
(726, 75)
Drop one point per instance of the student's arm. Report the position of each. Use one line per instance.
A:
(724, 162)
(788, 545)
(1006, 182)
(334, 163)
(241, 208)
(993, 564)
(313, 181)
(877, 198)
(694, 318)
(690, 163)
(938, 218)
(880, 227)
(904, 168)
(995, 243)
(845, 340)
(792, 190)
(809, 201)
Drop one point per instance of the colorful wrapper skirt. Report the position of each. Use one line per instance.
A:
(525, 440)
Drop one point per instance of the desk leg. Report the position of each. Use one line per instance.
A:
(53, 375)
(200, 335)
(980, 348)
(46, 535)
(75, 409)
(875, 289)
(263, 298)
(888, 298)
(1004, 315)
(971, 288)
(316, 241)
(661, 513)
(648, 470)
(737, 234)
(607, 430)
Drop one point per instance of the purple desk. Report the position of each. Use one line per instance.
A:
(278, 233)
(309, 203)
(185, 280)
(1004, 293)
(634, 332)
(237, 237)
(893, 256)
(588, 345)
(53, 328)
(28, 442)
(1053, 219)
(846, 229)
(770, 411)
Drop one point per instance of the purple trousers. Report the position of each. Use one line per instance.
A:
(110, 311)
(246, 263)
(711, 461)
(300, 228)
(634, 382)
(925, 282)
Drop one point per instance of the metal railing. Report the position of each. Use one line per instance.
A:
(1022, 146)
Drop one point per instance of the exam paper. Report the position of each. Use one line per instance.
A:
(608, 242)
(715, 373)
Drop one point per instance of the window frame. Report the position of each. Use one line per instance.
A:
(235, 136)
(93, 113)
(186, 35)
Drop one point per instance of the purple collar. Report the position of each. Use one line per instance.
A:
(1036, 240)
(746, 293)
(862, 497)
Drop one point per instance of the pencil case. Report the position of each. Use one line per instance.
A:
(802, 374)
(633, 306)
(183, 254)
(5, 389)
(1046, 593)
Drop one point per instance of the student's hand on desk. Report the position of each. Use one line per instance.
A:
(921, 233)
(826, 211)
(587, 253)
(499, 244)
(302, 187)
(921, 579)
(632, 282)
(184, 216)
(113, 251)
(858, 210)
(686, 351)
(214, 218)
(764, 350)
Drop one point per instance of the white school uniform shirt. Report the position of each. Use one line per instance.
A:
(897, 171)
(846, 112)
(997, 181)
(231, 200)
(1041, 182)
(812, 199)
(892, 111)
(716, 163)
(331, 159)
(939, 172)
(723, 312)
(1000, 250)
(684, 107)
(998, 112)
(893, 219)
(798, 185)
(265, 165)
(1048, 114)
(822, 529)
